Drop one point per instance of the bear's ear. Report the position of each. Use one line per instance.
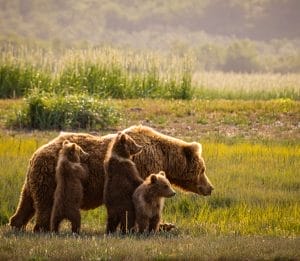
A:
(153, 178)
(66, 142)
(162, 173)
(191, 149)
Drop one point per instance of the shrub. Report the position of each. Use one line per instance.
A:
(49, 111)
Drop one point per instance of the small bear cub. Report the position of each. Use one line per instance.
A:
(121, 180)
(148, 201)
(69, 190)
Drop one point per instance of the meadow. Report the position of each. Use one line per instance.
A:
(252, 153)
(248, 125)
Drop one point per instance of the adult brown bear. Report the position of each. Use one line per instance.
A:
(181, 161)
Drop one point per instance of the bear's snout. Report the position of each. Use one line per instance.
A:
(172, 193)
(205, 190)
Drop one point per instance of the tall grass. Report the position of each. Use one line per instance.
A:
(14, 156)
(17, 80)
(108, 72)
(103, 72)
(212, 85)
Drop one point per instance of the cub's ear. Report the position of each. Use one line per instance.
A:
(191, 149)
(162, 173)
(73, 146)
(153, 178)
(66, 142)
(122, 137)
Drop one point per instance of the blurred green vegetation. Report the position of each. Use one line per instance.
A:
(240, 36)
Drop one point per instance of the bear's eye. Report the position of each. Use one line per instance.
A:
(166, 186)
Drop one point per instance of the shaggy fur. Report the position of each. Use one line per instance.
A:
(69, 191)
(181, 161)
(148, 200)
(121, 180)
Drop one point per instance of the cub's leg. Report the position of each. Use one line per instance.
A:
(113, 220)
(142, 222)
(154, 223)
(75, 218)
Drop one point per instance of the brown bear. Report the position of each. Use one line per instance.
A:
(121, 180)
(69, 191)
(182, 161)
(148, 200)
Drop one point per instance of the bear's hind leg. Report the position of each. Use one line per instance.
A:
(25, 210)
(43, 216)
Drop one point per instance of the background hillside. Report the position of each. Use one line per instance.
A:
(232, 35)
(91, 19)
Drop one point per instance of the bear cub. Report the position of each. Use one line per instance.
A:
(148, 201)
(121, 180)
(69, 190)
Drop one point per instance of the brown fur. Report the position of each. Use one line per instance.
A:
(69, 191)
(181, 161)
(121, 180)
(148, 200)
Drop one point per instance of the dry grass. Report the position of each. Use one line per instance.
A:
(20, 246)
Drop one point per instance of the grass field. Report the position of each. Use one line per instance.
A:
(252, 153)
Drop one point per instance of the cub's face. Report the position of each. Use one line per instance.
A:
(73, 151)
(162, 185)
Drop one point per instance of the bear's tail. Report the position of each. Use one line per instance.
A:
(25, 210)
